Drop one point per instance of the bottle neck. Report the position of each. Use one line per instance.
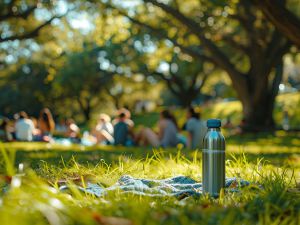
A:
(214, 129)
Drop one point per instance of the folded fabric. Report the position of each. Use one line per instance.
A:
(176, 186)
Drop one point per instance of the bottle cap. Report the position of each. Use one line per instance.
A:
(213, 123)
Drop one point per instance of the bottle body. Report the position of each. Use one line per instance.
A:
(213, 162)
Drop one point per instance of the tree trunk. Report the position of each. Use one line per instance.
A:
(86, 113)
(258, 112)
(186, 99)
(258, 116)
(85, 108)
(117, 101)
(184, 96)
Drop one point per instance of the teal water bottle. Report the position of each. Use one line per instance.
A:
(213, 159)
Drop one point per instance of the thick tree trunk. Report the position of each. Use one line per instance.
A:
(258, 116)
(258, 111)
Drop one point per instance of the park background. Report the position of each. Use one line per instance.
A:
(236, 59)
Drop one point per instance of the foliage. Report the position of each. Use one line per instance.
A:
(233, 36)
(27, 86)
(69, 81)
(20, 23)
(136, 45)
(290, 26)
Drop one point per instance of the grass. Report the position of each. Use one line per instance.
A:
(270, 163)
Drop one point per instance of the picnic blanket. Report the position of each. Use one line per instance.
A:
(175, 186)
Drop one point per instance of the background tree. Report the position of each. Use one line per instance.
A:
(82, 80)
(25, 89)
(233, 36)
(183, 77)
(128, 91)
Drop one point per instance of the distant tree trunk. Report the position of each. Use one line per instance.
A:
(87, 113)
(258, 105)
(85, 108)
(187, 97)
(258, 116)
(116, 98)
(117, 101)
(183, 92)
(186, 100)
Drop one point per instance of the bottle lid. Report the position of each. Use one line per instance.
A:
(213, 123)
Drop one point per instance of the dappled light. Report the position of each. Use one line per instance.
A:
(149, 112)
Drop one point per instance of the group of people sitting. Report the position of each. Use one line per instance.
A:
(119, 131)
(25, 128)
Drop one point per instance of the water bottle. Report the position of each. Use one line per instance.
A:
(213, 159)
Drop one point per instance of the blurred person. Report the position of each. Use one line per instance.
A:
(73, 130)
(16, 117)
(127, 118)
(34, 121)
(46, 124)
(121, 130)
(24, 128)
(61, 127)
(104, 129)
(196, 129)
(7, 129)
(167, 135)
(36, 131)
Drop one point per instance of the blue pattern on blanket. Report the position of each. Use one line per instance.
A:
(176, 186)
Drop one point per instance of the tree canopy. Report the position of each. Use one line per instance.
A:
(90, 52)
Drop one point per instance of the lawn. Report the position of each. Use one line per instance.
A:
(31, 196)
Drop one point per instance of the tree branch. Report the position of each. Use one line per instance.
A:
(168, 81)
(276, 49)
(219, 57)
(204, 78)
(31, 34)
(158, 33)
(284, 20)
(229, 39)
(278, 54)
